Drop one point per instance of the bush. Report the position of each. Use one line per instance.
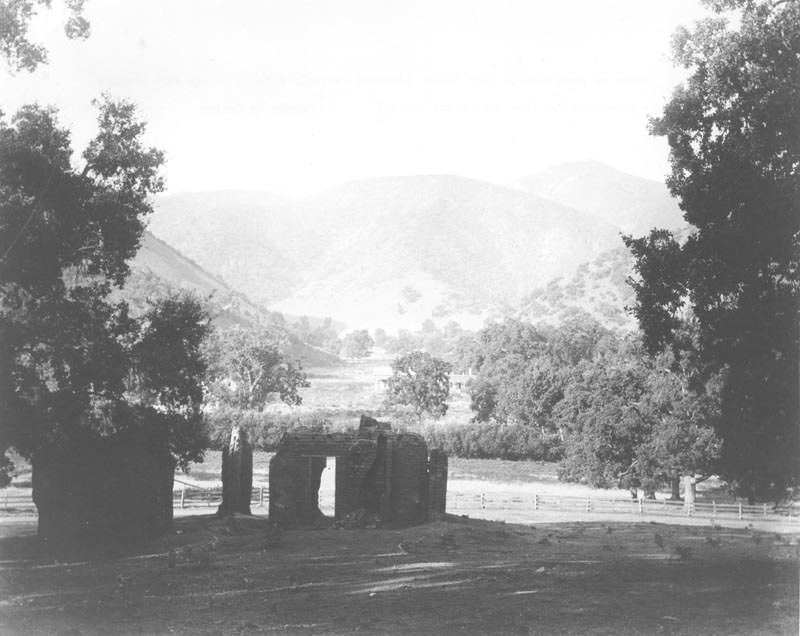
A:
(494, 441)
(264, 430)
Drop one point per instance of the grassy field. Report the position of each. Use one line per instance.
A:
(454, 576)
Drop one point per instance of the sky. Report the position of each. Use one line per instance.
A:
(295, 96)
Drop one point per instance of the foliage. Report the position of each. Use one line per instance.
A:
(494, 441)
(420, 382)
(71, 359)
(357, 344)
(522, 369)
(246, 368)
(634, 422)
(168, 370)
(732, 128)
(264, 430)
(15, 17)
(617, 417)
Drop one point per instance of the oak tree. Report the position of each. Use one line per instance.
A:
(733, 129)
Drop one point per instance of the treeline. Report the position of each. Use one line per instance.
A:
(264, 430)
(613, 415)
(494, 440)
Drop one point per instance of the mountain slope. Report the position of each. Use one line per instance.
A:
(597, 288)
(391, 252)
(631, 203)
(238, 235)
(455, 246)
(158, 270)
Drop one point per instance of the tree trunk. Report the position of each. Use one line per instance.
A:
(675, 483)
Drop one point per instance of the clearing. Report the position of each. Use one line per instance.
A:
(456, 576)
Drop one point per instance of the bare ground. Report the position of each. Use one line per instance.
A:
(455, 576)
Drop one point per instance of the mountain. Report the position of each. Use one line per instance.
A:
(386, 252)
(159, 270)
(631, 203)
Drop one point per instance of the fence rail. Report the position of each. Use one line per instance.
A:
(193, 497)
(459, 503)
(185, 497)
(12, 499)
(190, 496)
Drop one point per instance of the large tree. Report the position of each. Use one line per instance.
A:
(733, 129)
(634, 421)
(74, 365)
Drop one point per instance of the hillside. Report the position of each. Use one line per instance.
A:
(597, 287)
(630, 203)
(239, 236)
(158, 270)
(388, 252)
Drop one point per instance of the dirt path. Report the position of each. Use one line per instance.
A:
(451, 577)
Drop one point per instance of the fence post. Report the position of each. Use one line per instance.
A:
(536, 502)
(261, 497)
(483, 501)
(764, 513)
(588, 504)
(740, 510)
(641, 506)
(183, 494)
(713, 509)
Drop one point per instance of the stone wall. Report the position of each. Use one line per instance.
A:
(437, 483)
(409, 479)
(377, 471)
(237, 474)
(294, 489)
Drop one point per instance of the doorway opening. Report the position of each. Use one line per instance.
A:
(327, 488)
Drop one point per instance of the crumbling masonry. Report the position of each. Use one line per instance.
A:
(384, 473)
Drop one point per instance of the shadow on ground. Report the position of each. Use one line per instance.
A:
(457, 576)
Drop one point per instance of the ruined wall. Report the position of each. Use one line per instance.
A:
(237, 474)
(377, 471)
(294, 489)
(113, 488)
(437, 483)
(409, 479)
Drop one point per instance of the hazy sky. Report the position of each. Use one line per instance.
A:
(294, 96)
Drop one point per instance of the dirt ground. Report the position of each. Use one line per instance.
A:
(456, 576)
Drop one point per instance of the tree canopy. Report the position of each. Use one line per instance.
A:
(15, 16)
(246, 367)
(733, 129)
(421, 382)
(72, 359)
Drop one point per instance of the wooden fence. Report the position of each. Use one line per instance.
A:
(191, 496)
(459, 503)
(188, 496)
(16, 499)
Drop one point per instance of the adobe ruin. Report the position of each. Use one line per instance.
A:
(386, 474)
